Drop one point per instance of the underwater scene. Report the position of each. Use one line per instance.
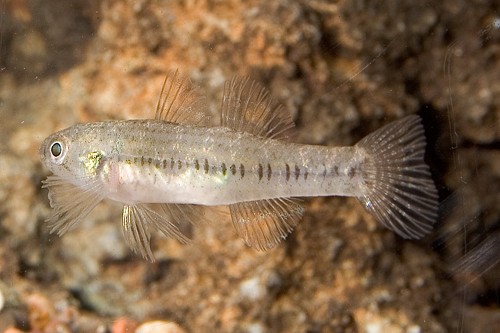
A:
(176, 166)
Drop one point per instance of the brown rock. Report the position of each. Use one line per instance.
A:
(124, 325)
(40, 311)
(159, 326)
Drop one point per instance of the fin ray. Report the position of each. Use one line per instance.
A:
(180, 102)
(263, 223)
(248, 107)
(194, 214)
(70, 203)
(136, 231)
(400, 191)
(137, 221)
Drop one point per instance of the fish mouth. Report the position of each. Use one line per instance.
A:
(42, 151)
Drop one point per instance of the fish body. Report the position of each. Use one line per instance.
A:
(155, 161)
(246, 164)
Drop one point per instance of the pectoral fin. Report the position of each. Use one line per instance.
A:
(70, 204)
(263, 223)
(138, 221)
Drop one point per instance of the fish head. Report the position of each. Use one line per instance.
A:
(74, 154)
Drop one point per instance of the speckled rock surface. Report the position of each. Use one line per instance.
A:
(343, 69)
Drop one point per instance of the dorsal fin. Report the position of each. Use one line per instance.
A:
(180, 102)
(248, 107)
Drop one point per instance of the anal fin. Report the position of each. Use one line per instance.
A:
(263, 223)
(137, 222)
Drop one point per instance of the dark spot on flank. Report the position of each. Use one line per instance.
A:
(172, 163)
(287, 172)
(305, 173)
(260, 171)
(233, 169)
(224, 169)
(179, 164)
(242, 170)
(157, 164)
(135, 160)
(324, 171)
(335, 170)
(142, 160)
(350, 172)
(197, 165)
(164, 164)
(206, 167)
(297, 172)
(269, 172)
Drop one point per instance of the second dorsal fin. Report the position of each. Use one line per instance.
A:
(180, 102)
(248, 107)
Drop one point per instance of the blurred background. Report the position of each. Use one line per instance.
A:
(343, 69)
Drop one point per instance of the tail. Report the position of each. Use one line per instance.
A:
(400, 192)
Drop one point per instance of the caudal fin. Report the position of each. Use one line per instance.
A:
(400, 192)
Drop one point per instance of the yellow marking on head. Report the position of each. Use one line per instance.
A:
(92, 161)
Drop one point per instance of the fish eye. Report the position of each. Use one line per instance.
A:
(56, 149)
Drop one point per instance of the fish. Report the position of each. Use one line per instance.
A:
(248, 164)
